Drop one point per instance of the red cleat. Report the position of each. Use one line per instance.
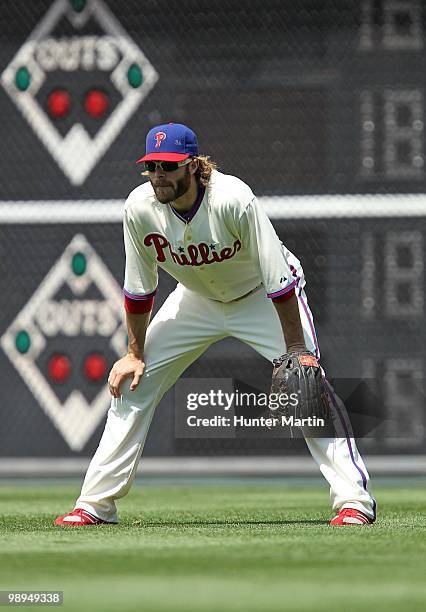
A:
(80, 517)
(351, 516)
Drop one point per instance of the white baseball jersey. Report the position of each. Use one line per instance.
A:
(224, 248)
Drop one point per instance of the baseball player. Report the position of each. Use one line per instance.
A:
(234, 278)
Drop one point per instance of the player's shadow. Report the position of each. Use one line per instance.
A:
(230, 523)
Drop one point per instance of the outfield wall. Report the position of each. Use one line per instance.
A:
(304, 102)
(364, 263)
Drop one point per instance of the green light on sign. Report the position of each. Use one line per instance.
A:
(78, 5)
(22, 78)
(79, 264)
(134, 76)
(23, 341)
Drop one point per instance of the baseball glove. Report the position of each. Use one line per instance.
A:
(298, 378)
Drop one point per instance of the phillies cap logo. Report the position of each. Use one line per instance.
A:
(159, 137)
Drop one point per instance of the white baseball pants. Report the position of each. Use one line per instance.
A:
(180, 332)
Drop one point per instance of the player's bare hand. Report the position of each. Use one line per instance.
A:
(126, 367)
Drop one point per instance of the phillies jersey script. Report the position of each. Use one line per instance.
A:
(223, 248)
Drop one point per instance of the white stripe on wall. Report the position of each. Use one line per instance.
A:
(282, 207)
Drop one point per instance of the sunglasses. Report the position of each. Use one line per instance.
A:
(166, 166)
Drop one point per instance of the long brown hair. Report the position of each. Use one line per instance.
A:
(205, 169)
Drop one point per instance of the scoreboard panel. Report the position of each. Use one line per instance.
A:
(303, 97)
(295, 97)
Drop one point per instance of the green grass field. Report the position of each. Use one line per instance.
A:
(246, 546)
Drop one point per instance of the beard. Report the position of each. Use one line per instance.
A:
(167, 192)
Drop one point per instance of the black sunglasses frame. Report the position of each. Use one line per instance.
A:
(166, 166)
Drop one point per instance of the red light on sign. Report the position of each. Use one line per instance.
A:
(58, 103)
(59, 368)
(96, 103)
(95, 367)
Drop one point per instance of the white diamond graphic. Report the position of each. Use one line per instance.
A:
(76, 419)
(77, 153)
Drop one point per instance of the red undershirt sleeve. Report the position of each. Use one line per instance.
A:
(285, 296)
(138, 306)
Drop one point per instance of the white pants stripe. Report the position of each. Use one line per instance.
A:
(180, 332)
